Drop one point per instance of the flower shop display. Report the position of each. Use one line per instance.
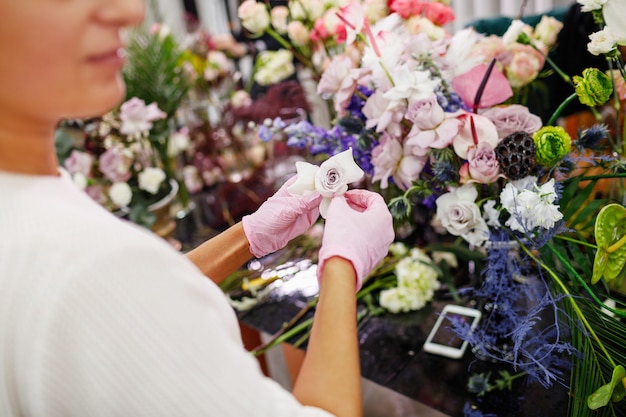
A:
(127, 160)
(438, 123)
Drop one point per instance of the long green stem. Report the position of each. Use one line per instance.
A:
(560, 109)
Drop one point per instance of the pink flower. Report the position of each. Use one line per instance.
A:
(438, 13)
(513, 118)
(379, 113)
(339, 79)
(390, 160)
(407, 8)
(79, 162)
(432, 127)
(137, 118)
(482, 165)
(522, 64)
(354, 16)
(298, 33)
(115, 166)
(474, 130)
(496, 91)
(489, 47)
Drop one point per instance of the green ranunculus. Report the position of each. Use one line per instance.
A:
(594, 87)
(552, 144)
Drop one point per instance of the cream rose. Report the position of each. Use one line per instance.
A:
(150, 179)
(330, 179)
(279, 15)
(254, 16)
(459, 214)
(121, 194)
(298, 33)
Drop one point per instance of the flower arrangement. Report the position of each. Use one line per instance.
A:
(127, 160)
(438, 124)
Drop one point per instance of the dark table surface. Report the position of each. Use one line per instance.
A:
(391, 355)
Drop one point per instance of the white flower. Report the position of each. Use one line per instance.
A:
(530, 206)
(460, 215)
(590, 5)
(150, 179)
(254, 16)
(330, 179)
(614, 13)
(121, 194)
(491, 214)
(80, 180)
(178, 142)
(411, 85)
(602, 42)
(398, 249)
(274, 66)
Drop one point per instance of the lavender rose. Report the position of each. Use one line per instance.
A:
(482, 164)
(513, 118)
(115, 166)
(459, 214)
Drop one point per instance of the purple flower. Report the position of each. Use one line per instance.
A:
(513, 118)
(115, 166)
(79, 162)
(137, 118)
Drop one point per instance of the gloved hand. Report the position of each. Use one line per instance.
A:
(359, 228)
(279, 219)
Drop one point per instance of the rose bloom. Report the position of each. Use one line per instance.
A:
(547, 30)
(254, 16)
(438, 13)
(419, 24)
(115, 165)
(513, 118)
(407, 8)
(279, 15)
(482, 165)
(121, 194)
(275, 66)
(150, 179)
(485, 132)
(524, 65)
(79, 162)
(489, 47)
(306, 9)
(375, 10)
(298, 33)
(460, 215)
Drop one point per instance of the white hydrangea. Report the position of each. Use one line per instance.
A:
(417, 283)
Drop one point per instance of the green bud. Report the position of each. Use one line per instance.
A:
(594, 87)
(552, 144)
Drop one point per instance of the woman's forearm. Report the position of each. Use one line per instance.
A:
(332, 363)
(223, 254)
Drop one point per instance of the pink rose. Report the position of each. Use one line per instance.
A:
(115, 166)
(334, 75)
(547, 30)
(298, 33)
(488, 47)
(425, 114)
(522, 64)
(407, 8)
(482, 164)
(513, 118)
(438, 13)
(474, 130)
(79, 162)
(432, 127)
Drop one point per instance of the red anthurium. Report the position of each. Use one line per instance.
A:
(483, 80)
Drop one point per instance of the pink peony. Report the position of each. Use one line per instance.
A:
(513, 118)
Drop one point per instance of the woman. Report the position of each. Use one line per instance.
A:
(100, 318)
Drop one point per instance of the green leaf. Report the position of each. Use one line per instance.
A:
(610, 234)
(601, 397)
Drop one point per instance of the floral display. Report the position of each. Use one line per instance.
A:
(439, 123)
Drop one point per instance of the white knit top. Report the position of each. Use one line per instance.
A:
(101, 318)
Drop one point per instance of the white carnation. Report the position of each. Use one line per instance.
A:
(602, 42)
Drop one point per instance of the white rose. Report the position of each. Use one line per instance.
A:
(602, 42)
(178, 143)
(460, 215)
(150, 179)
(279, 15)
(330, 179)
(121, 194)
(254, 16)
(274, 66)
(309, 10)
(80, 180)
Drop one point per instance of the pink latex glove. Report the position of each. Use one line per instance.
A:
(359, 228)
(279, 219)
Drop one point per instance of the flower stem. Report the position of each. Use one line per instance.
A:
(561, 107)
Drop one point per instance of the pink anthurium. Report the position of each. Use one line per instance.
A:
(496, 89)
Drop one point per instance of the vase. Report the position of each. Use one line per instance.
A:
(165, 224)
